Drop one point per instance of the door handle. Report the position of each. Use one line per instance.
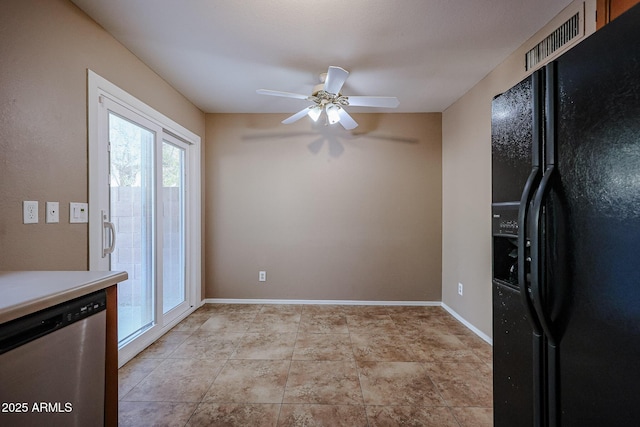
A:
(111, 229)
(524, 260)
(537, 251)
(528, 194)
(522, 245)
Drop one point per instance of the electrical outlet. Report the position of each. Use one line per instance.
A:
(53, 214)
(460, 288)
(262, 276)
(30, 212)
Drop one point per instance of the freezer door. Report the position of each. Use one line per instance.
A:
(593, 293)
(511, 141)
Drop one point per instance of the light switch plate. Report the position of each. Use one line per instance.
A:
(78, 213)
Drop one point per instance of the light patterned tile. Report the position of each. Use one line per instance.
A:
(419, 318)
(167, 343)
(397, 383)
(210, 414)
(323, 347)
(232, 308)
(381, 347)
(133, 372)
(322, 415)
(481, 348)
(463, 384)
(315, 309)
(176, 380)
(454, 326)
(372, 324)
(414, 310)
(205, 345)
(265, 346)
(275, 322)
(233, 365)
(193, 322)
(250, 381)
(228, 322)
(439, 346)
(281, 309)
(416, 325)
(366, 310)
(327, 323)
(324, 382)
(383, 416)
(134, 414)
(474, 417)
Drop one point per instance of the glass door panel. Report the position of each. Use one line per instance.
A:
(131, 167)
(173, 248)
(144, 184)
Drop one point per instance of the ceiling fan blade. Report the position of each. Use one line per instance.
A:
(297, 116)
(336, 77)
(346, 120)
(281, 93)
(373, 101)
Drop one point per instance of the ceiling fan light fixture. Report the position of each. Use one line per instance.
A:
(332, 113)
(314, 113)
(327, 96)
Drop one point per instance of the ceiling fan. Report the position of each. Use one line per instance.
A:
(326, 97)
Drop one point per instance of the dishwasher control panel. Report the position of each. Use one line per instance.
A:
(28, 328)
(85, 309)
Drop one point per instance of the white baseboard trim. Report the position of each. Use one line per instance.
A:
(472, 328)
(319, 302)
(461, 319)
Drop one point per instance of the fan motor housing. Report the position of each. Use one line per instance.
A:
(317, 88)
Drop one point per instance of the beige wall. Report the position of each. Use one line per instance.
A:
(46, 47)
(466, 175)
(327, 213)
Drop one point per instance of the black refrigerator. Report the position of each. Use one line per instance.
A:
(566, 237)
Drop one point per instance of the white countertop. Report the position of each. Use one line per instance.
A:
(25, 292)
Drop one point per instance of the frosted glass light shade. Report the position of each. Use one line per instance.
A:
(332, 113)
(314, 113)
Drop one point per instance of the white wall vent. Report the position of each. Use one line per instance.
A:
(554, 42)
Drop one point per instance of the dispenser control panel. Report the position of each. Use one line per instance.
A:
(504, 219)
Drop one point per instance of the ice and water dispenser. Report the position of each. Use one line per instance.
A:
(505, 242)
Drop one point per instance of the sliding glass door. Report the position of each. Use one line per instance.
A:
(174, 291)
(144, 216)
(132, 213)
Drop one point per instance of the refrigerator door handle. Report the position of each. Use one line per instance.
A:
(537, 246)
(523, 260)
(522, 246)
(533, 181)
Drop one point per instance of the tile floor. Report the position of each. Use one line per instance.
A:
(311, 365)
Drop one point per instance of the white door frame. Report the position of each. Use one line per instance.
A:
(98, 189)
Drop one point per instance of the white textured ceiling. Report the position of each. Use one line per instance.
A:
(428, 53)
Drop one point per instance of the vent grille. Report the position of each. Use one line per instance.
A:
(554, 41)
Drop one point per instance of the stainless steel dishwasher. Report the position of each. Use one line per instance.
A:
(52, 365)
